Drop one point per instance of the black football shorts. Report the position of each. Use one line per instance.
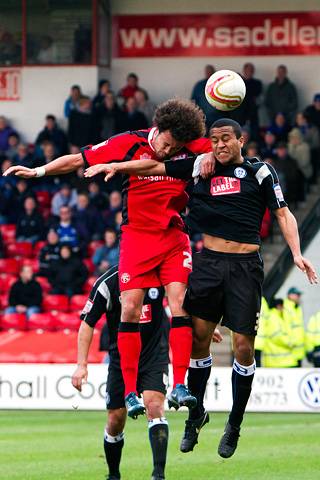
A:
(150, 377)
(226, 287)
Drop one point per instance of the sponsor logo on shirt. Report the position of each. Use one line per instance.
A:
(182, 156)
(125, 278)
(146, 315)
(87, 307)
(225, 186)
(240, 172)
(278, 192)
(160, 178)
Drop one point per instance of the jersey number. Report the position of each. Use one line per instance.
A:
(187, 262)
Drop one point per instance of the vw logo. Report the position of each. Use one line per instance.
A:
(309, 390)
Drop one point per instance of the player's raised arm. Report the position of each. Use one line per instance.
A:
(84, 341)
(289, 229)
(59, 166)
(133, 167)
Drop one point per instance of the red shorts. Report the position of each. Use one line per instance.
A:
(151, 259)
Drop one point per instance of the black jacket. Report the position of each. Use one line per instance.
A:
(70, 273)
(30, 225)
(28, 294)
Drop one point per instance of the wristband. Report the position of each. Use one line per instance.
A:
(40, 171)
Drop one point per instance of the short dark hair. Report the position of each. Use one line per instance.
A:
(183, 118)
(228, 122)
(51, 117)
(132, 75)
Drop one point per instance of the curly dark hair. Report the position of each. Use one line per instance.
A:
(184, 119)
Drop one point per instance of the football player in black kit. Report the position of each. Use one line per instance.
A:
(153, 368)
(227, 208)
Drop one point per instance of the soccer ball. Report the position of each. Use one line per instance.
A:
(225, 90)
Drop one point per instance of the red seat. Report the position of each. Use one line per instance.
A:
(32, 262)
(45, 285)
(41, 321)
(4, 301)
(6, 282)
(19, 249)
(92, 247)
(9, 265)
(37, 247)
(89, 264)
(8, 232)
(77, 302)
(70, 321)
(16, 321)
(59, 303)
(43, 199)
(89, 284)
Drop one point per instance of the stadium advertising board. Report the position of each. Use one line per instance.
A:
(232, 34)
(48, 386)
(10, 84)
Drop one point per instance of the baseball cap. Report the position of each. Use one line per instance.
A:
(316, 98)
(295, 291)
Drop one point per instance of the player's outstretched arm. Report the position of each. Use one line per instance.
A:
(80, 375)
(289, 229)
(133, 167)
(59, 166)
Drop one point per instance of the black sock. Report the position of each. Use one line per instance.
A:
(198, 376)
(113, 448)
(242, 377)
(158, 436)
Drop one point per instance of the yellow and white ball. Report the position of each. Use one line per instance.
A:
(225, 90)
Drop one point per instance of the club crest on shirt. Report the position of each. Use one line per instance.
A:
(125, 278)
(145, 156)
(240, 172)
(153, 293)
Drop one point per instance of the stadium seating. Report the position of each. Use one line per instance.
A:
(92, 247)
(41, 321)
(6, 282)
(43, 199)
(4, 301)
(16, 321)
(32, 262)
(59, 303)
(37, 247)
(8, 232)
(19, 249)
(77, 302)
(9, 265)
(89, 284)
(45, 285)
(63, 321)
(90, 266)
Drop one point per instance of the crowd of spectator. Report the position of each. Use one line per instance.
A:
(70, 213)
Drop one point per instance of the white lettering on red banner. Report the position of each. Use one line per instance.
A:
(281, 33)
(146, 315)
(225, 185)
(10, 84)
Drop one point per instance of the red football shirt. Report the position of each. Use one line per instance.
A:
(152, 202)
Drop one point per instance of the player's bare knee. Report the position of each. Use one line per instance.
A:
(116, 421)
(154, 403)
(244, 353)
(130, 311)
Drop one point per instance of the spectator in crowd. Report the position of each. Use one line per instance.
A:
(98, 198)
(49, 253)
(10, 50)
(7, 195)
(23, 156)
(274, 339)
(103, 89)
(30, 223)
(53, 134)
(288, 173)
(311, 135)
(110, 118)
(198, 96)
(22, 191)
(65, 229)
(312, 111)
(68, 274)
(5, 132)
(115, 206)
(108, 255)
(251, 149)
(82, 43)
(144, 105)
(72, 102)
(247, 113)
(300, 152)
(118, 221)
(86, 219)
(313, 340)
(65, 197)
(130, 88)
(25, 294)
(293, 316)
(52, 182)
(281, 96)
(82, 128)
(134, 120)
(268, 148)
(13, 142)
(48, 52)
(280, 127)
